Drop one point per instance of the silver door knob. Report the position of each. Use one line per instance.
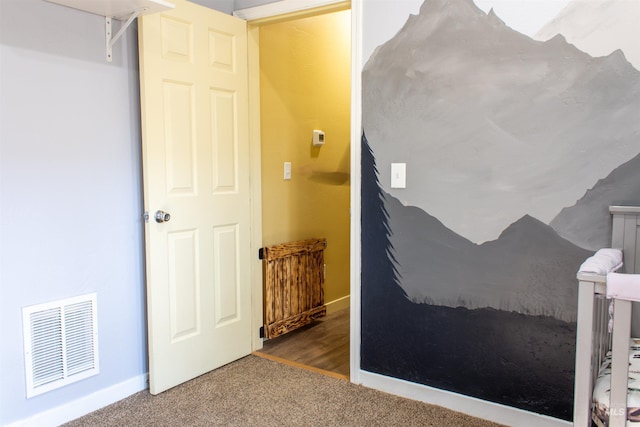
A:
(162, 216)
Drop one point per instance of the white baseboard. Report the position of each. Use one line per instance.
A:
(457, 402)
(338, 304)
(84, 405)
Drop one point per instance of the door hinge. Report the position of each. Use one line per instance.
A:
(261, 253)
(261, 331)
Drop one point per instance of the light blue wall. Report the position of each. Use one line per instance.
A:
(70, 190)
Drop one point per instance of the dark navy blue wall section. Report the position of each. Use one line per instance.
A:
(383, 300)
(500, 356)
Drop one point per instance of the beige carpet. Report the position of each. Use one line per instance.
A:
(257, 392)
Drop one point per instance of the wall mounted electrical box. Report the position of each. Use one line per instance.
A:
(318, 137)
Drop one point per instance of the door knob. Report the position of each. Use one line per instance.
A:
(162, 216)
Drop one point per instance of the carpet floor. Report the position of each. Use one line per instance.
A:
(258, 392)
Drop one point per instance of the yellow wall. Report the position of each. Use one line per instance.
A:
(305, 85)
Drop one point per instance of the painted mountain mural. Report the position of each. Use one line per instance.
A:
(502, 356)
(515, 148)
(598, 27)
(494, 125)
(499, 132)
(591, 212)
(529, 269)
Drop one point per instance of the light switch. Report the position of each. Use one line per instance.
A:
(287, 170)
(398, 175)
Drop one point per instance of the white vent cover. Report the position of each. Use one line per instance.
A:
(60, 343)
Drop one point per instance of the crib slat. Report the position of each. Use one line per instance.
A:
(584, 346)
(620, 363)
(601, 336)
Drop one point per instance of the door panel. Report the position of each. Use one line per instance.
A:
(180, 144)
(194, 101)
(183, 285)
(223, 104)
(226, 283)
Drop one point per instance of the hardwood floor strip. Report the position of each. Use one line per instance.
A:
(323, 344)
(301, 365)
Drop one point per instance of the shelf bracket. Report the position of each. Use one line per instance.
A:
(110, 38)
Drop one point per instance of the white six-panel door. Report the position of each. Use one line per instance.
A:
(194, 101)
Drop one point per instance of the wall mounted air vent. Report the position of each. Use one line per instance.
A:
(60, 343)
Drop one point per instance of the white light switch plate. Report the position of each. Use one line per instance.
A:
(287, 170)
(398, 175)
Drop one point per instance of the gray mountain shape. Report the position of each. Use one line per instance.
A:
(529, 269)
(598, 27)
(588, 222)
(492, 124)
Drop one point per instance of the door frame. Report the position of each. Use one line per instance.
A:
(271, 13)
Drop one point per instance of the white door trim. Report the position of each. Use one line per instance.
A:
(356, 130)
(270, 11)
(284, 7)
(255, 182)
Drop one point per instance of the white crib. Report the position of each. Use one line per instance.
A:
(593, 337)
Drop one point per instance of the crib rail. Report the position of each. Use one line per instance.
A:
(593, 338)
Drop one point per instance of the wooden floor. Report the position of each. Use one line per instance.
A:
(322, 345)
